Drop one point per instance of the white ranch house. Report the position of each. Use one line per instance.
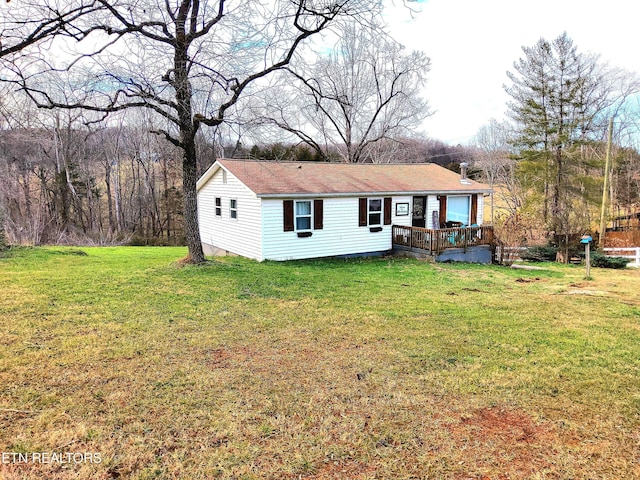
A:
(297, 210)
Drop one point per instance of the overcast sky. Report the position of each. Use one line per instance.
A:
(472, 44)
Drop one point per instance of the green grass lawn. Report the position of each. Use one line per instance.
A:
(328, 369)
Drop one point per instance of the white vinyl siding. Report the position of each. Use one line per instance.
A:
(339, 236)
(480, 218)
(240, 235)
(402, 219)
(433, 205)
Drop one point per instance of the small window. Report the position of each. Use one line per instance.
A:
(375, 212)
(224, 176)
(218, 207)
(233, 208)
(303, 215)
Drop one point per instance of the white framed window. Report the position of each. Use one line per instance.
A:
(218, 207)
(303, 215)
(458, 208)
(374, 212)
(233, 208)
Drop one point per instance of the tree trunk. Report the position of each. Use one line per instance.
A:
(165, 197)
(118, 199)
(560, 223)
(61, 186)
(3, 237)
(191, 230)
(188, 131)
(107, 181)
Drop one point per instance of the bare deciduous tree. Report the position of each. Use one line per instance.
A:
(27, 25)
(366, 90)
(189, 61)
(493, 158)
(63, 183)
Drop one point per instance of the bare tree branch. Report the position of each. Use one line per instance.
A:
(366, 90)
(189, 62)
(44, 21)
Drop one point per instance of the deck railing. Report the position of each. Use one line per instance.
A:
(436, 241)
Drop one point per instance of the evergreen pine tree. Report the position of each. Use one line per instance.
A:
(557, 99)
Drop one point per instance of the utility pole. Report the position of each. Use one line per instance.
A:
(605, 189)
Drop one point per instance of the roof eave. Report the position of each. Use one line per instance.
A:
(484, 191)
(204, 179)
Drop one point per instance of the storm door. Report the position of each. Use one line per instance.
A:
(419, 212)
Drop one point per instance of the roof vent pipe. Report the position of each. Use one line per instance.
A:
(463, 172)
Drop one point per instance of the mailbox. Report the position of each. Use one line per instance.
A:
(586, 239)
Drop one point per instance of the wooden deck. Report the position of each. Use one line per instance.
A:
(437, 241)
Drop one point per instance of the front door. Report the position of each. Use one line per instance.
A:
(419, 212)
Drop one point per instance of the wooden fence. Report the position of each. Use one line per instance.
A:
(632, 253)
(622, 239)
(436, 241)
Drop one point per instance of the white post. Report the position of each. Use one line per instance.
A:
(586, 239)
(587, 250)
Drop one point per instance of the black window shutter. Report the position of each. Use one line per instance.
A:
(288, 215)
(362, 213)
(387, 211)
(318, 211)
(443, 209)
(474, 210)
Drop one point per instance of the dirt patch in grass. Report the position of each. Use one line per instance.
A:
(527, 280)
(224, 357)
(506, 440)
(508, 426)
